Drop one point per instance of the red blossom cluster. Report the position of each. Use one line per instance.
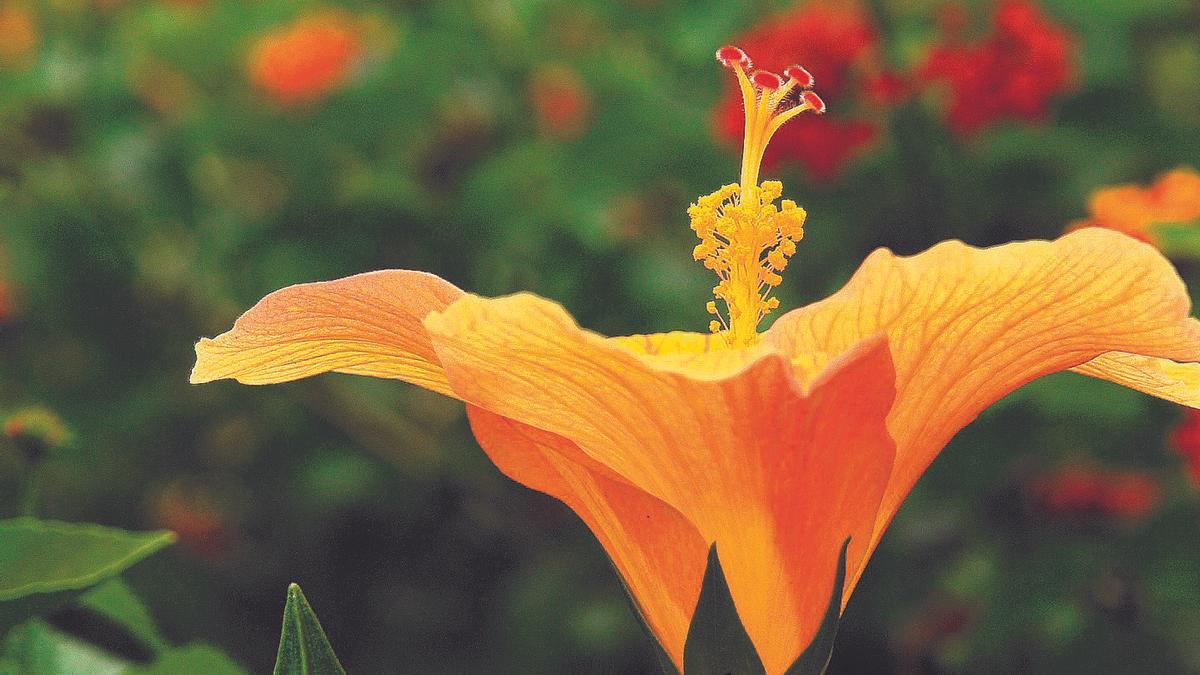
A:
(1082, 490)
(1012, 73)
(1185, 438)
(306, 60)
(836, 43)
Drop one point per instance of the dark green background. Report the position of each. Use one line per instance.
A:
(128, 234)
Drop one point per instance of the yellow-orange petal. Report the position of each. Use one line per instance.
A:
(775, 472)
(968, 325)
(659, 554)
(367, 324)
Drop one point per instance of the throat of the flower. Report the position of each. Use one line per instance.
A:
(745, 238)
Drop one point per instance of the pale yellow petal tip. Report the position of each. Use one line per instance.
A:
(202, 371)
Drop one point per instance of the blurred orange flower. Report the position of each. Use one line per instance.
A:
(776, 446)
(306, 60)
(18, 33)
(1085, 490)
(1173, 199)
(1012, 74)
(36, 431)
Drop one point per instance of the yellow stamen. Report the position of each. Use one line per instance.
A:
(745, 238)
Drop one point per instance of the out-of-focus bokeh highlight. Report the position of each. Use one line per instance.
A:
(165, 163)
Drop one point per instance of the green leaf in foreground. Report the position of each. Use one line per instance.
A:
(194, 658)
(116, 601)
(717, 643)
(37, 648)
(44, 564)
(303, 647)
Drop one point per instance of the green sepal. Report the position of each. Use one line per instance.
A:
(303, 647)
(46, 564)
(717, 642)
(815, 657)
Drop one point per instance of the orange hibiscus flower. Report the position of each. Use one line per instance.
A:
(775, 446)
(1173, 199)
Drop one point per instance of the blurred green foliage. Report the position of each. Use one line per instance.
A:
(150, 191)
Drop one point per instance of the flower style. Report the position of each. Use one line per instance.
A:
(773, 446)
(1013, 74)
(1173, 199)
(306, 60)
(833, 40)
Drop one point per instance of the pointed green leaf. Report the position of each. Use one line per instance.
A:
(44, 564)
(116, 601)
(815, 657)
(303, 647)
(717, 643)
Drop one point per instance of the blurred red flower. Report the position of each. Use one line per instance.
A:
(8, 305)
(1185, 438)
(195, 517)
(1013, 73)
(561, 101)
(931, 629)
(831, 40)
(306, 60)
(1081, 490)
(8, 297)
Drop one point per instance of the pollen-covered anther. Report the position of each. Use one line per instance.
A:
(747, 244)
(801, 76)
(765, 79)
(730, 57)
(813, 102)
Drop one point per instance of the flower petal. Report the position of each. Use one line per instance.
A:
(1164, 378)
(367, 324)
(659, 554)
(776, 476)
(967, 325)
